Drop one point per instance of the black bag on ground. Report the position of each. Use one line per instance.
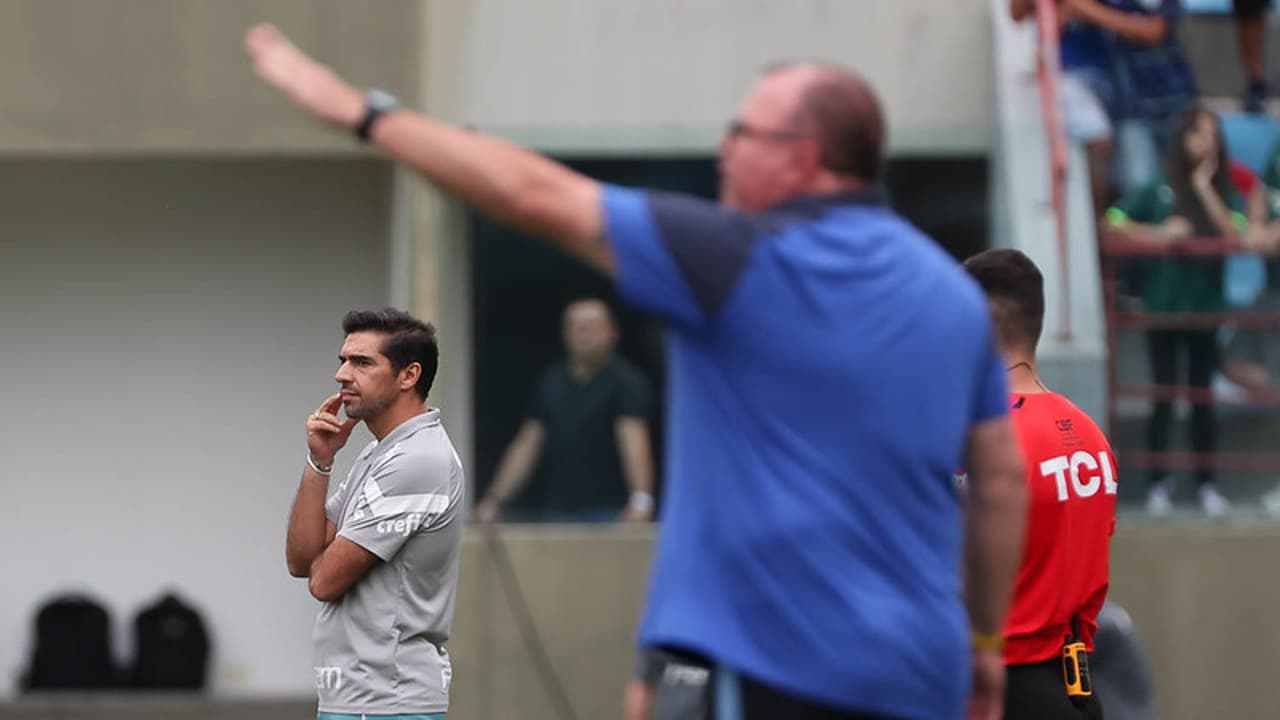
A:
(171, 647)
(72, 649)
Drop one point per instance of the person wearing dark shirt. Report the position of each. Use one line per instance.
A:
(589, 428)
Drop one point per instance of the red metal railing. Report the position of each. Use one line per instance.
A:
(1114, 250)
(1049, 70)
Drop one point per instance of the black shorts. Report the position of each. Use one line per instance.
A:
(1249, 8)
(686, 689)
(1036, 692)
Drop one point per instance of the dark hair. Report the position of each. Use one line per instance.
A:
(1178, 169)
(843, 113)
(1015, 291)
(408, 340)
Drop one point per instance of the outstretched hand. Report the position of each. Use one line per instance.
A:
(312, 86)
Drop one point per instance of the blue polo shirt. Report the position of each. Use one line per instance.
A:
(826, 362)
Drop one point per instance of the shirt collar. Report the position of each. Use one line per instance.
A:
(869, 196)
(411, 426)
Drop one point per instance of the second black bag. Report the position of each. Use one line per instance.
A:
(171, 647)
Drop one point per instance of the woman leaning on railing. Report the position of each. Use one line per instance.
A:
(1194, 203)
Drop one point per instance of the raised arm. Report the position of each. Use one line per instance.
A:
(1202, 184)
(501, 180)
(309, 532)
(1146, 29)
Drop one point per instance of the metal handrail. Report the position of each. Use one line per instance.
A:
(1114, 247)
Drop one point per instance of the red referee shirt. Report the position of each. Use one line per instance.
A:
(1071, 473)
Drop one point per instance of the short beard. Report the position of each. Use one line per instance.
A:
(368, 408)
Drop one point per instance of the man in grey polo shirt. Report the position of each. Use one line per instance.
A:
(382, 552)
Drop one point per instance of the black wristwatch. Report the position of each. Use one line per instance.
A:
(376, 104)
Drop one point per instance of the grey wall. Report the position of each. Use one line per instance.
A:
(1202, 599)
(159, 76)
(162, 76)
(614, 74)
(165, 327)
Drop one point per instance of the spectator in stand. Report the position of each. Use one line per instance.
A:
(1251, 27)
(1194, 200)
(1251, 359)
(1156, 82)
(1251, 356)
(589, 425)
(1126, 80)
(1088, 92)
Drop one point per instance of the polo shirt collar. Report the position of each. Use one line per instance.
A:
(411, 426)
(868, 196)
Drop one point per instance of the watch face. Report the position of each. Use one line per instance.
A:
(381, 100)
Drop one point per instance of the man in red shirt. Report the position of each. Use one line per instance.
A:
(1071, 478)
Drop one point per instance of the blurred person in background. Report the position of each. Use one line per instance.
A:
(381, 554)
(1121, 668)
(1195, 200)
(1156, 81)
(589, 424)
(1251, 36)
(1123, 68)
(807, 325)
(1251, 355)
(1088, 92)
(1071, 478)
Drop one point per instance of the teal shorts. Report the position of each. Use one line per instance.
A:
(348, 716)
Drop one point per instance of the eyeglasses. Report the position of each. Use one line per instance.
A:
(739, 129)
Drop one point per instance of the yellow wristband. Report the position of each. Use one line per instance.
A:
(987, 641)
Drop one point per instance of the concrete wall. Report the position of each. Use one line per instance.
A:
(1202, 599)
(165, 327)
(617, 75)
(159, 76)
(150, 76)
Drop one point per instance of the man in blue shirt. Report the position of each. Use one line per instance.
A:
(830, 367)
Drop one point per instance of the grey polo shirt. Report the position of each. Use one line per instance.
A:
(380, 648)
